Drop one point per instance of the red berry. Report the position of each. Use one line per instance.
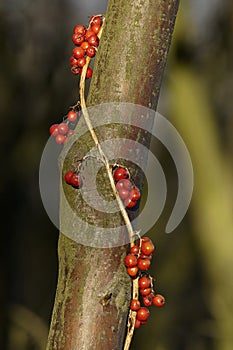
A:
(89, 33)
(132, 271)
(95, 28)
(143, 322)
(96, 20)
(76, 180)
(143, 314)
(93, 40)
(76, 70)
(90, 51)
(143, 264)
(130, 260)
(54, 130)
(129, 203)
(68, 176)
(145, 291)
(134, 194)
(123, 193)
(147, 248)
(85, 45)
(89, 73)
(144, 282)
(77, 39)
(78, 52)
(158, 300)
(79, 30)
(125, 183)
(81, 62)
(143, 256)
(63, 128)
(147, 300)
(72, 116)
(70, 132)
(120, 185)
(137, 324)
(60, 139)
(134, 304)
(146, 239)
(73, 61)
(120, 173)
(134, 250)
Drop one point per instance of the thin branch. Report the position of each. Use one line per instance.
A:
(131, 317)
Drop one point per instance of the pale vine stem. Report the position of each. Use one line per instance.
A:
(132, 314)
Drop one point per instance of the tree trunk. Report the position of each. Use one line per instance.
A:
(93, 290)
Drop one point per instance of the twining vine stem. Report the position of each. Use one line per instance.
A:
(132, 314)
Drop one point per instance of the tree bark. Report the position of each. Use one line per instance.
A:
(93, 290)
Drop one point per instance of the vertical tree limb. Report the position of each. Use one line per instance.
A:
(93, 291)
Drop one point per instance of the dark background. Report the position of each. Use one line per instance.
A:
(36, 90)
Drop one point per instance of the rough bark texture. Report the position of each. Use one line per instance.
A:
(93, 291)
(133, 51)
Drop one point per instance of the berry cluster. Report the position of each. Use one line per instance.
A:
(137, 263)
(61, 132)
(139, 257)
(74, 179)
(86, 42)
(127, 190)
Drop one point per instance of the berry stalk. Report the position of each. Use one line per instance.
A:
(131, 317)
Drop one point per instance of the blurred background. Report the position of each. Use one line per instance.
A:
(193, 265)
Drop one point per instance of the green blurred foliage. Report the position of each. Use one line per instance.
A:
(36, 90)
